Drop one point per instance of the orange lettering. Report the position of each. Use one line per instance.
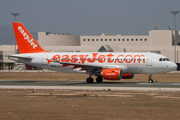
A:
(109, 58)
(93, 58)
(83, 59)
(139, 57)
(119, 60)
(65, 58)
(130, 58)
(101, 58)
(74, 58)
(56, 58)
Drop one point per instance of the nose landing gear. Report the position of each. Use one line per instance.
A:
(150, 78)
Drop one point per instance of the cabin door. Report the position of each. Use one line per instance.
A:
(149, 60)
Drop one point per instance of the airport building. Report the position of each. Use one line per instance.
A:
(158, 41)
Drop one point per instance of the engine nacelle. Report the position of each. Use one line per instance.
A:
(111, 74)
(127, 76)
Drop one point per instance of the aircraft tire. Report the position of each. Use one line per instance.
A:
(89, 80)
(99, 79)
(150, 81)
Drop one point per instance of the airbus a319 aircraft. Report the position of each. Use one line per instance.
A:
(104, 65)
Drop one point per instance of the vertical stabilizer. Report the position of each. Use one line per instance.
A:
(25, 41)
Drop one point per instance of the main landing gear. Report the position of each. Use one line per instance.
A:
(99, 79)
(150, 78)
(89, 80)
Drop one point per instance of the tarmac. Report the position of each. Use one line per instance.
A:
(157, 86)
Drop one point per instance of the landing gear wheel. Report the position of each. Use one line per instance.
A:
(89, 80)
(150, 81)
(99, 79)
(150, 78)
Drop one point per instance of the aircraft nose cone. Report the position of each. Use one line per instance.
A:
(173, 66)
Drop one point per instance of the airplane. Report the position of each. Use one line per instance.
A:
(104, 65)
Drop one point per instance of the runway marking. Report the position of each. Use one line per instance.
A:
(159, 83)
(73, 82)
(145, 83)
(90, 88)
(176, 84)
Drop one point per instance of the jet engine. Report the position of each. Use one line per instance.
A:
(127, 76)
(111, 74)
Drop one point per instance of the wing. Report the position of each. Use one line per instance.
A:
(87, 67)
(90, 67)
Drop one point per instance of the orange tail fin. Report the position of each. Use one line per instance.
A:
(25, 41)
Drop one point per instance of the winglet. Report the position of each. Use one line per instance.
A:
(25, 41)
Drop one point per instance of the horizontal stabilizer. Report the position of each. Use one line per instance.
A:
(22, 57)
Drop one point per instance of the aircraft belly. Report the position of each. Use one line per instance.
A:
(61, 69)
(140, 69)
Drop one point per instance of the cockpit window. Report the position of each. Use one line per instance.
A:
(167, 59)
(164, 59)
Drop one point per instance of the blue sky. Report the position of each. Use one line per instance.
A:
(91, 17)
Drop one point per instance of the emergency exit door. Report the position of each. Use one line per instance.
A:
(44, 61)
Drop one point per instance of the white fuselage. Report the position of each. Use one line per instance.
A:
(137, 62)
